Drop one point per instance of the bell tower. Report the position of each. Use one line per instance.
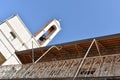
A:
(48, 32)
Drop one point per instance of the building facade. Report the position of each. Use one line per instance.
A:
(89, 59)
(14, 36)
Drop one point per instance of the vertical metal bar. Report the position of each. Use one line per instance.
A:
(32, 52)
(98, 50)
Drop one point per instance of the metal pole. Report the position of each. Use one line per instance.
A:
(32, 52)
(83, 59)
(46, 53)
(98, 50)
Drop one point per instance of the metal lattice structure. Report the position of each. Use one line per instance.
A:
(92, 67)
(88, 59)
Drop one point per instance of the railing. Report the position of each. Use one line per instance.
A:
(92, 67)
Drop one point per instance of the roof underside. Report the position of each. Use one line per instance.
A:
(77, 49)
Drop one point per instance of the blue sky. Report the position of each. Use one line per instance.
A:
(80, 19)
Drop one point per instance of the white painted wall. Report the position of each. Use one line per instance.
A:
(23, 39)
(7, 51)
(23, 34)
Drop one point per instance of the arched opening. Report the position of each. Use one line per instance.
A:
(47, 34)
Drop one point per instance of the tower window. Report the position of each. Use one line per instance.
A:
(52, 29)
(11, 36)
